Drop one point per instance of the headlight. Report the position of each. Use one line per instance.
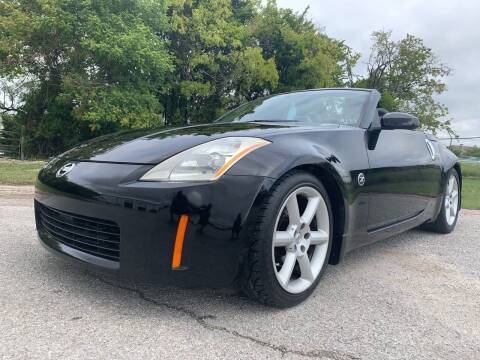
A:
(205, 162)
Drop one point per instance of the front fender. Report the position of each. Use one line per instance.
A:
(282, 156)
(336, 158)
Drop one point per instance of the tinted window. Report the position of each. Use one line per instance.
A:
(339, 107)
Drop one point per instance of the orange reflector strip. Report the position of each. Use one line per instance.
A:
(238, 156)
(177, 250)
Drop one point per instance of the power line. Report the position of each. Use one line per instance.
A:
(460, 138)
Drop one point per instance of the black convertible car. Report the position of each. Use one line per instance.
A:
(264, 197)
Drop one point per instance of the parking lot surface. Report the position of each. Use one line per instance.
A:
(415, 296)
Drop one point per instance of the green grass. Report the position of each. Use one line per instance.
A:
(471, 170)
(17, 172)
(471, 185)
(471, 193)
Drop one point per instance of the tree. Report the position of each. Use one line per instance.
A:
(74, 69)
(409, 76)
(230, 51)
(88, 67)
(83, 68)
(305, 57)
(216, 61)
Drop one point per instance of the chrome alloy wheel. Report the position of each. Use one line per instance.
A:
(451, 200)
(300, 239)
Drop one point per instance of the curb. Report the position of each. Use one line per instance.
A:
(17, 190)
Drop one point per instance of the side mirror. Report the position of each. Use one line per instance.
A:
(399, 120)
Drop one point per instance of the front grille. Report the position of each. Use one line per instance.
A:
(91, 235)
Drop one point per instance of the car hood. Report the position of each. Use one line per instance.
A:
(152, 147)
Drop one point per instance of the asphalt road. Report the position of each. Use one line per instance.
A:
(416, 296)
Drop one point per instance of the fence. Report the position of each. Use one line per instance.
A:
(457, 140)
(12, 144)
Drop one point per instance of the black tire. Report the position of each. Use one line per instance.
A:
(257, 279)
(440, 224)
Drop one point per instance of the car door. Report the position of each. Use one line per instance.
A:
(403, 179)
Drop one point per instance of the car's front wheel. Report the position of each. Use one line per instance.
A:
(291, 242)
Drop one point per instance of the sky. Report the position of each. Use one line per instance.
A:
(450, 27)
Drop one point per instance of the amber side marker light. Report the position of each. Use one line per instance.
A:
(177, 249)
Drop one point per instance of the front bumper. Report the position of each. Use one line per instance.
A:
(148, 214)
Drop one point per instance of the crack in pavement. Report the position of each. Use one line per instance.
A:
(201, 320)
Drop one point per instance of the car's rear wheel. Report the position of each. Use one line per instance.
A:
(291, 242)
(447, 218)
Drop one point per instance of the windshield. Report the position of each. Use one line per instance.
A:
(338, 107)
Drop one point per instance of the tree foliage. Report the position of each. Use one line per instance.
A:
(305, 57)
(227, 52)
(87, 66)
(466, 151)
(216, 60)
(75, 69)
(409, 76)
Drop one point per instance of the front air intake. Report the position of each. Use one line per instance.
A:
(87, 234)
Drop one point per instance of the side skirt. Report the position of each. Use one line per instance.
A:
(384, 232)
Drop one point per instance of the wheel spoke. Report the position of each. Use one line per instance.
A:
(293, 211)
(305, 268)
(286, 271)
(310, 210)
(454, 194)
(318, 237)
(450, 184)
(453, 211)
(282, 238)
